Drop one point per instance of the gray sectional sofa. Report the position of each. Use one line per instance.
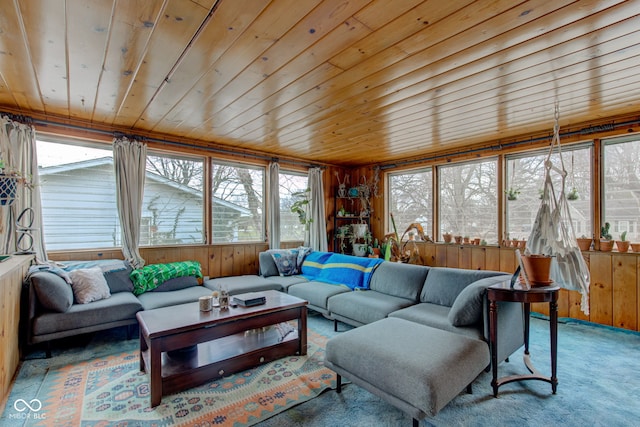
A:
(435, 319)
(450, 299)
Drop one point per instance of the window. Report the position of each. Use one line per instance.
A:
(172, 209)
(237, 203)
(621, 187)
(290, 227)
(410, 197)
(78, 192)
(468, 199)
(525, 177)
(79, 197)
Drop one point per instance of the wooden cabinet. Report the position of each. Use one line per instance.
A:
(12, 273)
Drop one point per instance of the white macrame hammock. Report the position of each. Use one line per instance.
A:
(553, 233)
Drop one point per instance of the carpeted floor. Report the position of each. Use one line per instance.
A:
(598, 372)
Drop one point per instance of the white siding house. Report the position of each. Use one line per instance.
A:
(80, 210)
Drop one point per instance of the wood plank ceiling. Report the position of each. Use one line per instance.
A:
(345, 82)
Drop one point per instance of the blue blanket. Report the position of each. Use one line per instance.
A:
(351, 271)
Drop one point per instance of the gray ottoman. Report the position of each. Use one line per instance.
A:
(414, 367)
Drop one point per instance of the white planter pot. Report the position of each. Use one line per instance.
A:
(360, 249)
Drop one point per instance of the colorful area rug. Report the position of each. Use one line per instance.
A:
(113, 392)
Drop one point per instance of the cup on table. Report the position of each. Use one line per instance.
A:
(206, 303)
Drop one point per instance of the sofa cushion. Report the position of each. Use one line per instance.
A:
(443, 284)
(467, 308)
(435, 315)
(121, 306)
(88, 285)
(177, 283)
(362, 307)
(316, 293)
(242, 284)
(53, 292)
(267, 265)
(400, 280)
(151, 300)
(119, 280)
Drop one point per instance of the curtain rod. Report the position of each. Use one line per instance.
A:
(584, 131)
(217, 150)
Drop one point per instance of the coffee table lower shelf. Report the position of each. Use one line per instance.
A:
(218, 358)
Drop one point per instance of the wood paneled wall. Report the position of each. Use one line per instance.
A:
(614, 291)
(216, 260)
(12, 273)
(615, 280)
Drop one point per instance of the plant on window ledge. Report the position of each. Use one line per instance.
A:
(606, 242)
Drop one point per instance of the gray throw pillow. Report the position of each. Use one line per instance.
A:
(443, 284)
(119, 280)
(52, 291)
(176, 284)
(467, 308)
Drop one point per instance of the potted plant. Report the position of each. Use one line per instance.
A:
(343, 234)
(447, 237)
(635, 247)
(512, 193)
(623, 244)
(537, 268)
(584, 242)
(300, 206)
(606, 242)
(360, 239)
(458, 239)
(573, 194)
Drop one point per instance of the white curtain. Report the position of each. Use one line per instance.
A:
(18, 155)
(129, 162)
(316, 234)
(274, 205)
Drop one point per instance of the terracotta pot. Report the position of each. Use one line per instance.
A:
(447, 237)
(538, 269)
(606, 245)
(458, 239)
(635, 247)
(584, 243)
(476, 241)
(622, 246)
(465, 240)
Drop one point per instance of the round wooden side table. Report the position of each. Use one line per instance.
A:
(503, 292)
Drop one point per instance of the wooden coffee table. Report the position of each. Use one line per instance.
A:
(181, 347)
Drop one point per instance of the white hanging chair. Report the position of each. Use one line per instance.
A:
(553, 233)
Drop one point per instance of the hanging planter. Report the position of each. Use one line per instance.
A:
(573, 194)
(512, 193)
(8, 186)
